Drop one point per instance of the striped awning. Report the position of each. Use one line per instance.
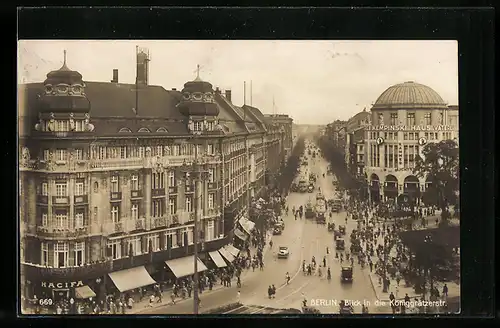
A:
(233, 250)
(225, 253)
(240, 234)
(218, 260)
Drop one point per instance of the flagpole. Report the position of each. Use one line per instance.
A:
(251, 93)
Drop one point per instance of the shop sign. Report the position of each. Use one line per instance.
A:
(71, 284)
(411, 128)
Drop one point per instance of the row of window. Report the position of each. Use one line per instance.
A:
(158, 207)
(63, 125)
(409, 135)
(123, 152)
(61, 219)
(64, 254)
(410, 119)
(157, 182)
(394, 156)
(62, 257)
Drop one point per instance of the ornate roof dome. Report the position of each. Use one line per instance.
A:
(198, 98)
(409, 95)
(64, 75)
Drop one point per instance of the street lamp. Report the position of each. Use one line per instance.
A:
(197, 172)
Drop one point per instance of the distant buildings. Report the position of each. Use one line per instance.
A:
(102, 195)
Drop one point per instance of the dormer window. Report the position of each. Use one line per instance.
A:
(76, 89)
(125, 130)
(162, 129)
(144, 130)
(186, 96)
(197, 96)
(48, 88)
(197, 126)
(208, 96)
(62, 89)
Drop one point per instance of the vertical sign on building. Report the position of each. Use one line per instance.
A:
(400, 157)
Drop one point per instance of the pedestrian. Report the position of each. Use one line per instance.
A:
(151, 300)
(172, 297)
(238, 297)
(445, 291)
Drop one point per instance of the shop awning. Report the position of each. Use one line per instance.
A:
(247, 225)
(240, 234)
(218, 260)
(233, 250)
(225, 253)
(131, 278)
(84, 292)
(184, 266)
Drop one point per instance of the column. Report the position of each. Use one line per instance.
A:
(147, 194)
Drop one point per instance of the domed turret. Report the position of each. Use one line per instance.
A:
(64, 91)
(198, 98)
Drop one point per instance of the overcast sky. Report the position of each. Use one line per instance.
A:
(315, 82)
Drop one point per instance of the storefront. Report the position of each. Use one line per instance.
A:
(184, 266)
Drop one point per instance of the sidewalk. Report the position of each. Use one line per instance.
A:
(143, 305)
(401, 290)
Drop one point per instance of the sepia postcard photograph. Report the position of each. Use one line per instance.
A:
(238, 177)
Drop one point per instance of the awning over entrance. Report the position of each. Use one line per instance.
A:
(233, 250)
(240, 234)
(131, 278)
(225, 253)
(218, 260)
(247, 225)
(84, 292)
(184, 266)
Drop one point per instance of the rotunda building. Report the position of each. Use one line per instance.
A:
(404, 118)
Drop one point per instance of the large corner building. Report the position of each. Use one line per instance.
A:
(100, 187)
(403, 119)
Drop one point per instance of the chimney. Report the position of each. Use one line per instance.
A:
(174, 89)
(115, 76)
(217, 90)
(228, 95)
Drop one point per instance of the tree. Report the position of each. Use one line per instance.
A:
(440, 165)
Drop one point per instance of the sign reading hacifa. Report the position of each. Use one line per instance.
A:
(62, 284)
(411, 128)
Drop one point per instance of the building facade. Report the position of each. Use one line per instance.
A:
(403, 119)
(355, 141)
(102, 188)
(336, 132)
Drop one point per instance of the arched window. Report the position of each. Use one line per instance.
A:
(144, 130)
(125, 130)
(96, 187)
(162, 129)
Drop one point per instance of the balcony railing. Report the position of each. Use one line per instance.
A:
(60, 200)
(117, 163)
(212, 212)
(160, 222)
(124, 226)
(40, 199)
(116, 195)
(172, 190)
(81, 199)
(136, 194)
(158, 192)
(55, 232)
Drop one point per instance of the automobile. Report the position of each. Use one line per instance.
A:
(342, 229)
(346, 273)
(277, 231)
(340, 244)
(280, 224)
(283, 252)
